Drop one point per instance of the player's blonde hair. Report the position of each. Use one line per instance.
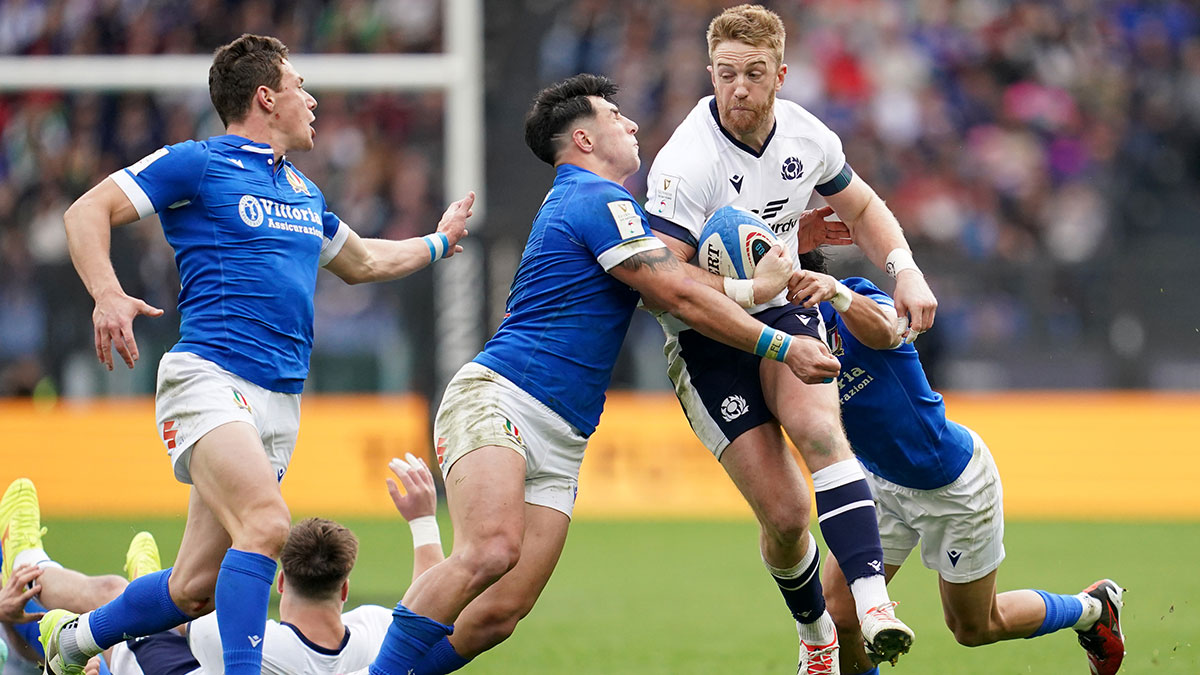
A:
(754, 25)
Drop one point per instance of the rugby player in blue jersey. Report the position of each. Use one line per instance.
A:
(249, 232)
(934, 482)
(513, 423)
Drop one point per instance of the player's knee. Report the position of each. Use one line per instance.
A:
(820, 440)
(971, 633)
(492, 558)
(784, 523)
(499, 620)
(266, 534)
(193, 593)
(105, 588)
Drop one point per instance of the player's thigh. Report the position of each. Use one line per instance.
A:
(194, 574)
(766, 473)
(969, 603)
(485, 494)
(233, 475)
(809, 413)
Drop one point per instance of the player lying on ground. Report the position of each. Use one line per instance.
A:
(314, 636)
(935, 483)
(747, 148)
(250, 233)
(513, 423)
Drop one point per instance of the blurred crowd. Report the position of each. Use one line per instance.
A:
(1032, 136)
(1022, 144)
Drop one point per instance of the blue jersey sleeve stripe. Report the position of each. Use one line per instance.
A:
(838, 183)
(137, 196)
(660, 224)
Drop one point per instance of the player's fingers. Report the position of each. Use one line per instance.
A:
(394, 491)
(467, 202)
(25, 574)
(30, 593)
(902, 324)
(130, 353)
(147, 309)
(106, 349)
(36, 616)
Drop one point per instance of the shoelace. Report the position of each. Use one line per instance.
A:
(820, 661)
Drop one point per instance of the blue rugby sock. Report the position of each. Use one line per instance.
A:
(801, 585)
(408, 639)
(243, 589)
(440, 659)
(846, 511)
(144, 607)
(1062, 611)
(29, 631)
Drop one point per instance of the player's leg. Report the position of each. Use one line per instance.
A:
(77, 592)
(491, 618)
(485, 497)
(853, 653)
(845, 507)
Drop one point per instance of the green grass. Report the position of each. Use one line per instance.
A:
(692, 597)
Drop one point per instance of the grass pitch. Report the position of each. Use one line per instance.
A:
(692, 597)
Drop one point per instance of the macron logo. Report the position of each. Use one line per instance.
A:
(254, 640)
(954, 556)
(236, 161)
(803, 319)
(736, 181)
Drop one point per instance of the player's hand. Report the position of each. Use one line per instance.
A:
(771, 274)
(810, 360)
(808, 288)
(420, 495)
(915, 305)
(454, 222)
(112, 322)
(14, 595)
(813, 230)
(92, 667)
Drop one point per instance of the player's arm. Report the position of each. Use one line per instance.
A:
(418, 504)
(363, 260)
(89, 222)
(771, 275)
(876, 231)
(872, 323)
(664, 283)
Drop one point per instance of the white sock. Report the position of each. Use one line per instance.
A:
(83, 636)
(1091, 612)
(869, 593)
(34, 556)
(820, 632)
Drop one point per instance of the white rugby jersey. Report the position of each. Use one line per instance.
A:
(287, 652)
(703, 167)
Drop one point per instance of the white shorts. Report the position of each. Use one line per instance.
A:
(960, 526)
(482, 408)
(195, 396)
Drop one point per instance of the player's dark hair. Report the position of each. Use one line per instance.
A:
(814, 260)
(558, 106)
(318, 557)
(241, 67)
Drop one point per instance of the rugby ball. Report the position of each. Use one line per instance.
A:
(733, 241)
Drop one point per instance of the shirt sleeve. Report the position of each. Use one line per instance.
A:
(166, 178)
(334, 234)
(678, 194)
(612, 227)
(836, 173)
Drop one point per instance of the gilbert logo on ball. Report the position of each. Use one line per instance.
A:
(733, 241)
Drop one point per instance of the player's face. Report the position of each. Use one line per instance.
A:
(745, 80)
(293, 114)
(615, 138)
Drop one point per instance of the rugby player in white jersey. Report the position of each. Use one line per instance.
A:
(744, 147)
(513, 423)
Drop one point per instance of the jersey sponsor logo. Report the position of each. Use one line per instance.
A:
(629, 222)
(250, 211)
(236, 161)
(848, 386)
(733, 407)
(792, 169)
(784, 226)
(771, 210)
(294, 179)
(736, 181)
(954, 556)
(140, 165)
(662, 202)
(169, 432)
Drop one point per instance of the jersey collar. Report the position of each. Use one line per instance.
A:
(316, 647)
(712, 106)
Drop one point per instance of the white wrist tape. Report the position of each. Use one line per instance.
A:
(438, 244)
(898, 260)
(425, 531)
(842, 298)
(740, 291)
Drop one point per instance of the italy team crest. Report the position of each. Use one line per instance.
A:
(294, 179)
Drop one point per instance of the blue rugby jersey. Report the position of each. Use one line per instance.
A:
(895, 422)
(249, 235)
(566, 315)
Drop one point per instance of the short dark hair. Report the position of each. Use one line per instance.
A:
(241, 67)
(814, 260)
(318, 557)
(557, 106)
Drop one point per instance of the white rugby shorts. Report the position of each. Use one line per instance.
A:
(960, 526)
(482, 408)
(195, 396)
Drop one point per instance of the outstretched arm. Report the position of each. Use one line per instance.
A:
(418, 504)
(875, 229)
(871, 323)
(363, 260)
(88, 222)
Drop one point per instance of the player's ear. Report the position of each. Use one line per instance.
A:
(582, 139)
(345, 589)
(265, 97)
(712, 74)
(279, 582)
(779, 76)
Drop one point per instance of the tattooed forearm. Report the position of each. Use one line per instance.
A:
(656, 260)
